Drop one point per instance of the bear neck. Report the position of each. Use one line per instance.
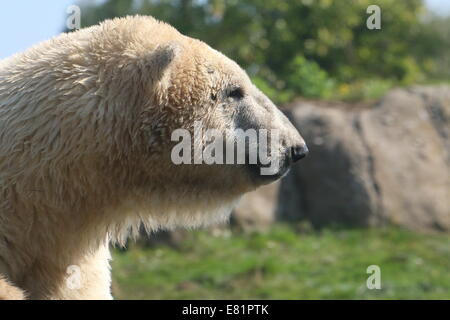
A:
(63, 231)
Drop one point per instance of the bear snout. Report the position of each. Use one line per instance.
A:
(299, 152)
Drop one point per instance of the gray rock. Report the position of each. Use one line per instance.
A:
(385, 164)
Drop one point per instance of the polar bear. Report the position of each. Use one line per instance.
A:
(86, 123)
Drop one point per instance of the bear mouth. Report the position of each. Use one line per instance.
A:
(260, 178)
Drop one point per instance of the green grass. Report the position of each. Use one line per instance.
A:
(284, 264)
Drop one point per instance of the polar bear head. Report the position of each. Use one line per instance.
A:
(209, 134)
(201, 134)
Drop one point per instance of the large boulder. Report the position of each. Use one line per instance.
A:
(333, 185)
(386, 164)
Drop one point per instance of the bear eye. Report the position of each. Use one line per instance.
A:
(236, 93)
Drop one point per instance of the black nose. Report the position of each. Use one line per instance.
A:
(299, 152)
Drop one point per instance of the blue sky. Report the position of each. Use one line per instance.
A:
(26, 22)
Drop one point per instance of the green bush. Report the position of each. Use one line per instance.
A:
(316, 49)
(308, 79)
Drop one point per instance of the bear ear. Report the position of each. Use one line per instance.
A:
(154, 64)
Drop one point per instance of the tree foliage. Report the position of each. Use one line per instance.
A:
(304, 47)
